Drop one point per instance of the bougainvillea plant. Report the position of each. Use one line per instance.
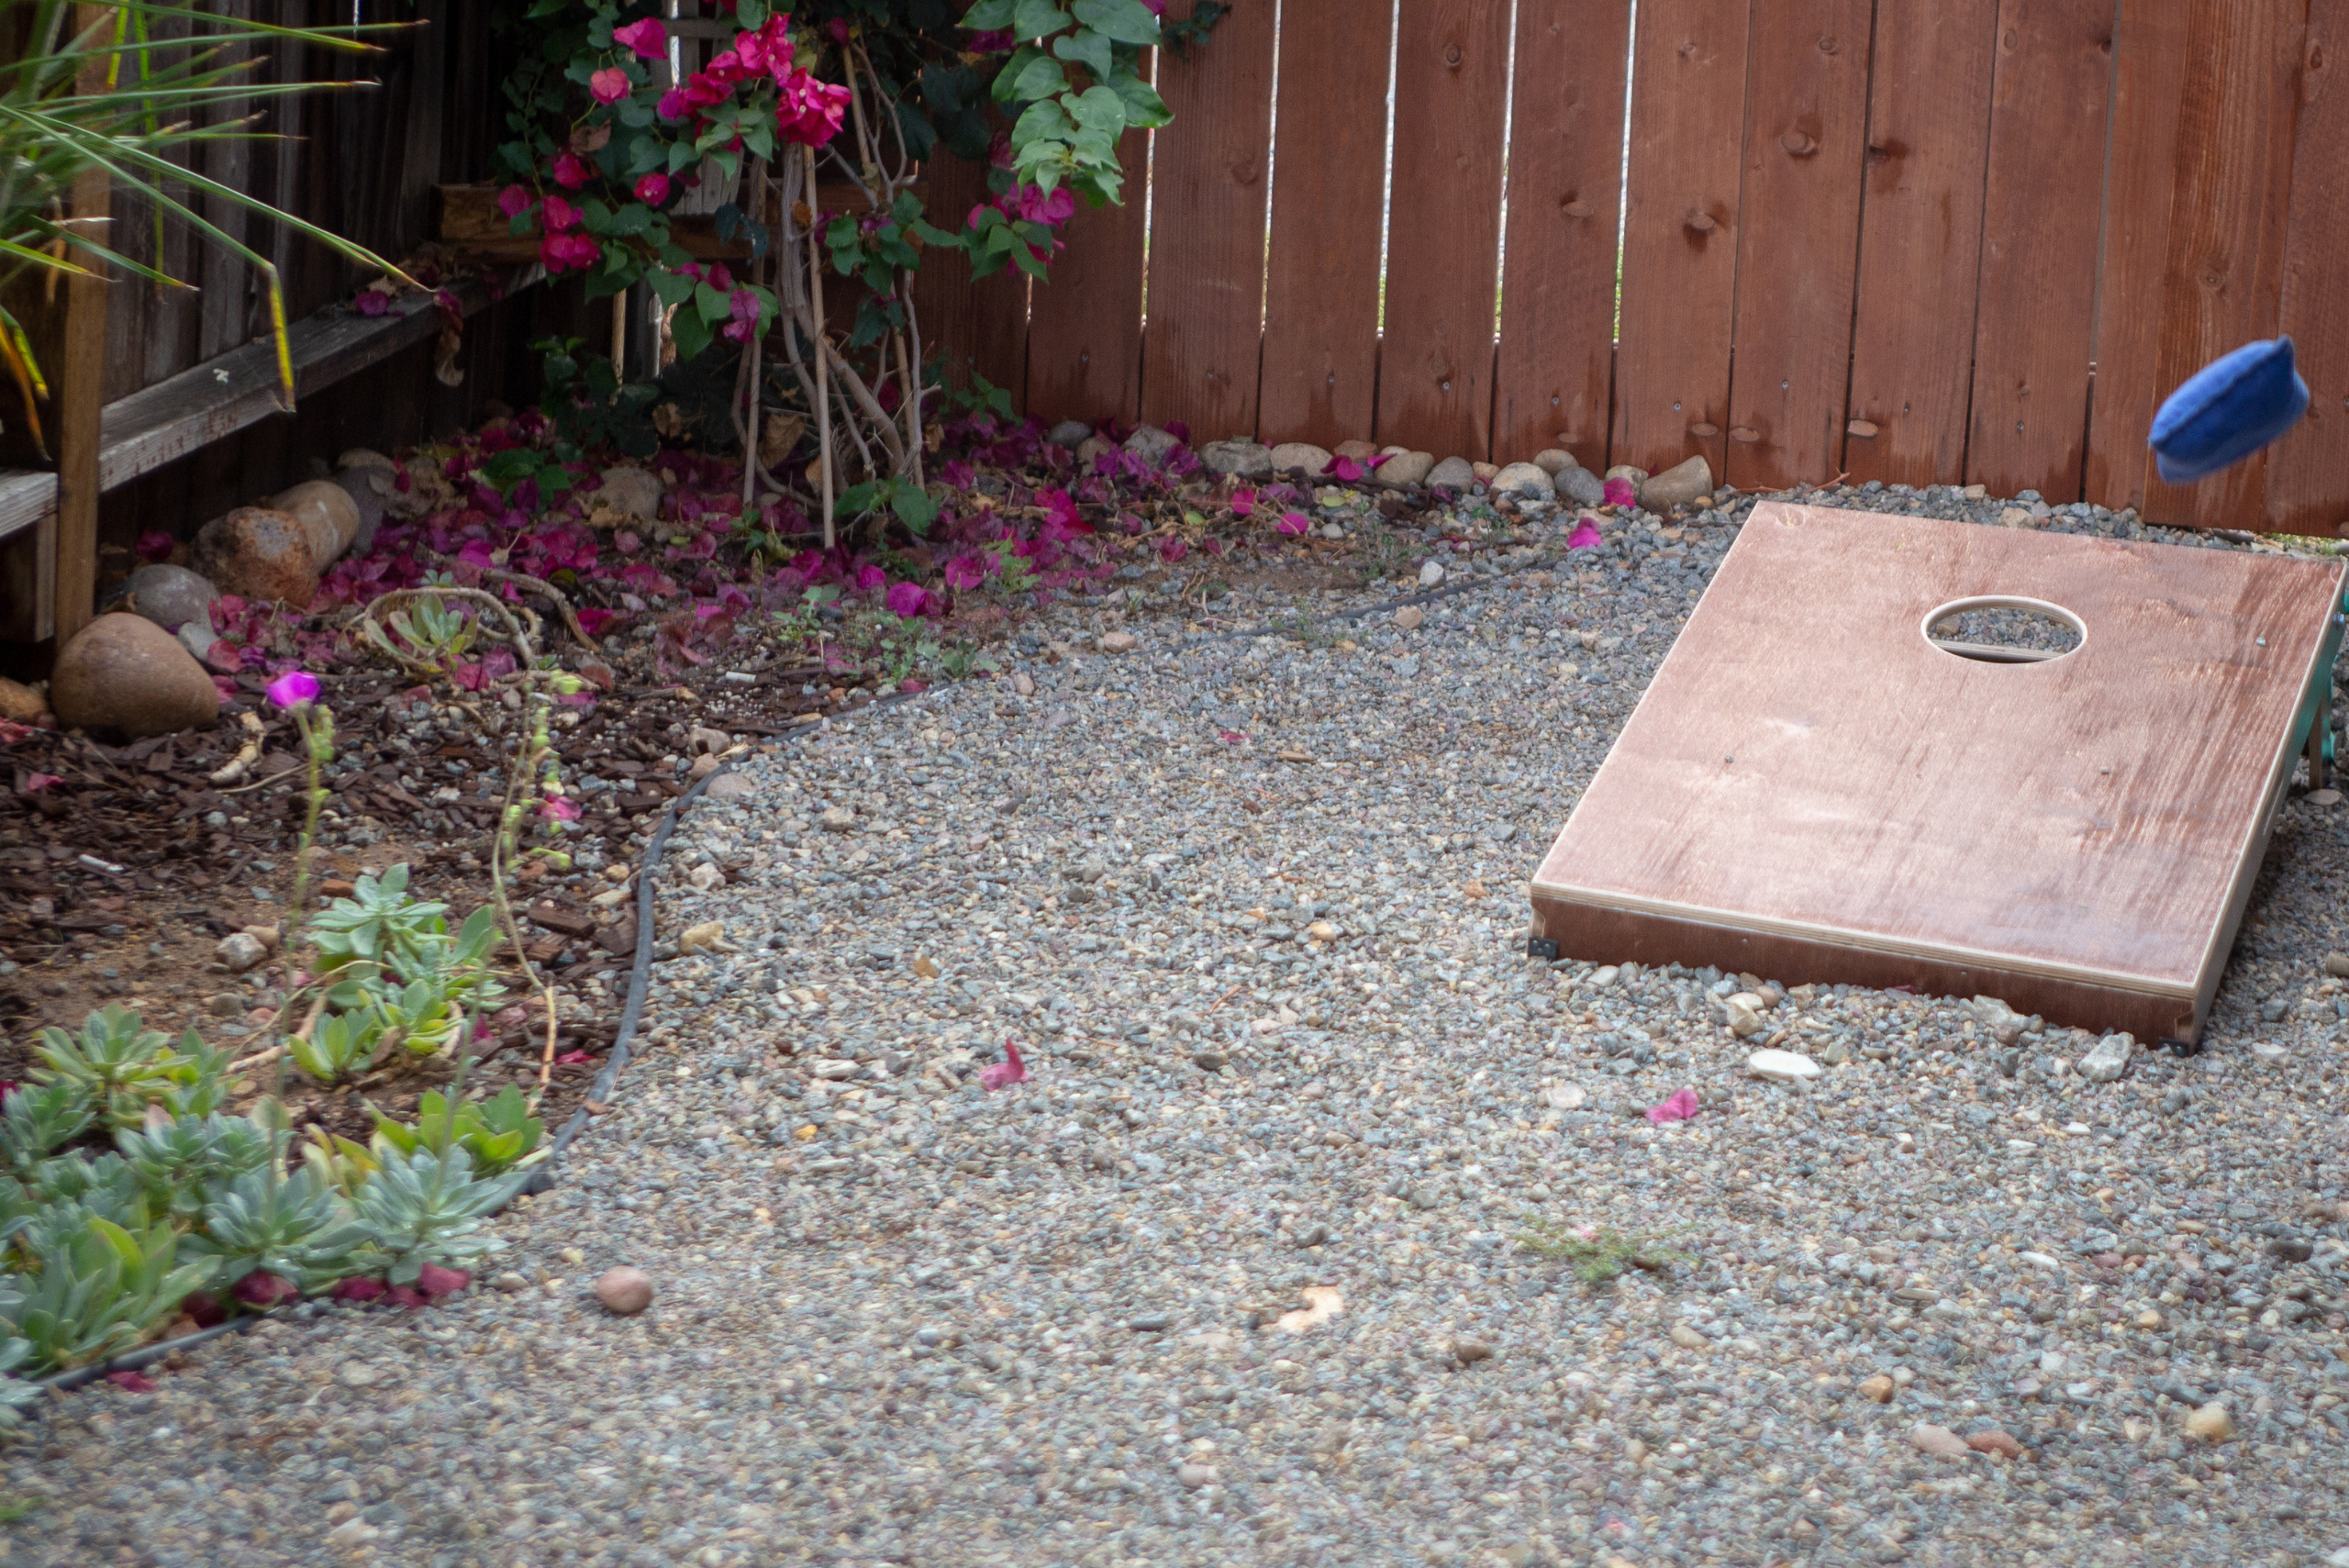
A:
(615, 130)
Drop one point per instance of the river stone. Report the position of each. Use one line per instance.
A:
(122, 674)
(625, 1291)
(1403, 469)
(1677, 485)
(1452, 473)
(632, 492)
(1360, 451)
(1153, 445)
(1627, 471)
(260, 553)
(1553, 461)
(328, 511)
(1241, 460)
(171, 596)
(20, 704)
(366, 457)
(1069, 433)
(1526, 481)
(1314, 460)
(1580, 486)
(371, 490)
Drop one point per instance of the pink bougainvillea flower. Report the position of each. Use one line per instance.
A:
(407, 1296)
(559, 808)
(264, 1290)
(907, 599)
(1172, 549)
(568, 252)
(357, 1290)
(436, 1281)
(572, 1059)
(648, 38)
(1343, 467)
(1584, 537)
(1294, 523)
(747, 308)
(35, 783)
(154, 545)
(673, 105)
(966, 571)
(1243, 503)
(1679, 1108)
(809, 111)
(10, 733)
(608, 85)
(132, 1381)
(1232, 737)
(1004, 1073)
(292, 689)
(1000, 41)
(513, 201)
(593, 621)
(1037, 205)
(837, 27)
(230, 691)
(560, 215)
(372, 301)
(569, 171)
(871, 579)
(654, 189)
(1620, 492)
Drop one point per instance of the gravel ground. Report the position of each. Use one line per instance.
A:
(1235, 1277)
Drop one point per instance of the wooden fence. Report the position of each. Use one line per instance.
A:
(1915, 240)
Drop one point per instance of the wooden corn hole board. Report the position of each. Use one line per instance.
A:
(1812, 790)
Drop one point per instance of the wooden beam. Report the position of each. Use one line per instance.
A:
(177, 418)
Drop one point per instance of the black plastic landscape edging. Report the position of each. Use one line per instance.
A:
(542, 1178)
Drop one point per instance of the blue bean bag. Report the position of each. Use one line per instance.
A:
(2228, 410)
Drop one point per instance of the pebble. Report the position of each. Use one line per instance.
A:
(1241, 460)
(837, 819)
(238, 952)
(630, 494)
(1580, 486)
(1153, 445)
(2212, 1423)
(1410, 617)
(1117, 642)
(1452, 473)
(1526, 482)
(1403, 469)
(624, 1291)
(1468, 1353)
(1938, 1441)
(1781, 1066)
(20, 703)
(1677, 485)
(1289, 455)
(2107, 1059)
(1074, 433)
(124, 675)
(326, 512)
(171, 596)
(1554, 460)
(2337, 965)
(1878, 1388)
(1993, 1442)
(1431, 574)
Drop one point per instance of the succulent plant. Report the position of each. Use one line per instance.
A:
(95, 1292)
(297, 1228)
(116, 1061)
(427, 1208)
(38, 1121)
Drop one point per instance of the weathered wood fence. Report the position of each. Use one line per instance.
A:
(1916, 240)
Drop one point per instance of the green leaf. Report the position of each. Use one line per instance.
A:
(669, 288)
(1036, 19)
(1099, 110)
(856, 500)
(1004, 86)
(1085, 48)
(1127, 21)
(1145, 110)
(989, 15)
(915, 506)
(714, 306)
(1040, 78)
(1044, 120)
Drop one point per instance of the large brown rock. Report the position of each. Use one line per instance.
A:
(260, 553)
(122, 674)
(20, 703)
(326, 512)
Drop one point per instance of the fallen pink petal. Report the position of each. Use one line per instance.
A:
(132, 1381)
(437, 1282)
(1004, 1073)
(1679, 1108)
(1584, 537)
(35, 783)
(1620, 492)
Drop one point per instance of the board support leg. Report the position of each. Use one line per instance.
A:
(2320, 739)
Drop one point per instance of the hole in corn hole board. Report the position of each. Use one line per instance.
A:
(2003, 629)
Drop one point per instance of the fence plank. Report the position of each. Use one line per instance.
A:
(1321, 360)
(2307, 473)
(980, 327)
(1805, 142)
(1556, 361)
(1435, 360)
(1680, 233)
(1085, 325)
(1920, 239)
(2149, 73)
(2223, 279)
(1205, 336)
(2035, 326)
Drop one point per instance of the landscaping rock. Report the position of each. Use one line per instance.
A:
(2108, 1058)
(371, 490)
(1580, 486)
(1627, 471)
(122, 674)
(1290, 455)
(2212, 1423)
(1241, 460)
(238, 952)
(1452, 473)
(630, 494)
(1092, 450)
(1403, 469)
(1526, 482)
(1117, 642)
(1995, 1442)
(326, 511)
(261, 554)
(1553, 461)
(1677, 485)
(21, 703)
(1938, 1442)
(1360, 451)
(1781, 1066)
(171, 596)
(1069, 433)
(1878, 1388)
(625, 1291)
(1484, 471)
(1153, 445)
